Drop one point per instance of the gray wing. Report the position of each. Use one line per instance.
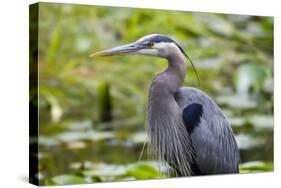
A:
(215, 147)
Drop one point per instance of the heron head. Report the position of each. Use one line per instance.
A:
(151, 45)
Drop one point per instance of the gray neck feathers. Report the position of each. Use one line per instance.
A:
(169, 81)
(166, 130)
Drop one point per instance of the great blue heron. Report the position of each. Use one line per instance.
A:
(186, 128)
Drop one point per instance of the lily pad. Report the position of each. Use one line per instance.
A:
(246, 141)
(103, 169)
(143, 170)
(236, 101)
(106, 172)
(236, 122)
(72, 136)
(255, 166)
(47, 141)
(262, 121)
(139, 137)
(80, 125)
(69, 179)
(76, 145)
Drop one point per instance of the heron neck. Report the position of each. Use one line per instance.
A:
(172, 78)
(167, 83)
(176, 71)
(162, 104)
(164, 119)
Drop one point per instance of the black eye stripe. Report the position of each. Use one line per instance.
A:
(157, 39)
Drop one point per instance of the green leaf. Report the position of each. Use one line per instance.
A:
(143, 170)
(69, 179)
(256, 166)
(106, 172)
(54, 45)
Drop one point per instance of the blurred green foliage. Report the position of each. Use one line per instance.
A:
(92, 111)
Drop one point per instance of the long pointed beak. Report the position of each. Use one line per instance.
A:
(120, 50)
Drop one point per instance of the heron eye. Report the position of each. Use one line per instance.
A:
(149, 44)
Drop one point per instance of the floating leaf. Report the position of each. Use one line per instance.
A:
(80, 125)
(236, 101)
(255, 166)
(76, 145)
(246, 141)
(91, 135)
(69, 179)
(106, 172)
(71, 136)
(237, 122)
(262, 121)
(139, 137)
(143, 170)
(47, 141)
(103, 169)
